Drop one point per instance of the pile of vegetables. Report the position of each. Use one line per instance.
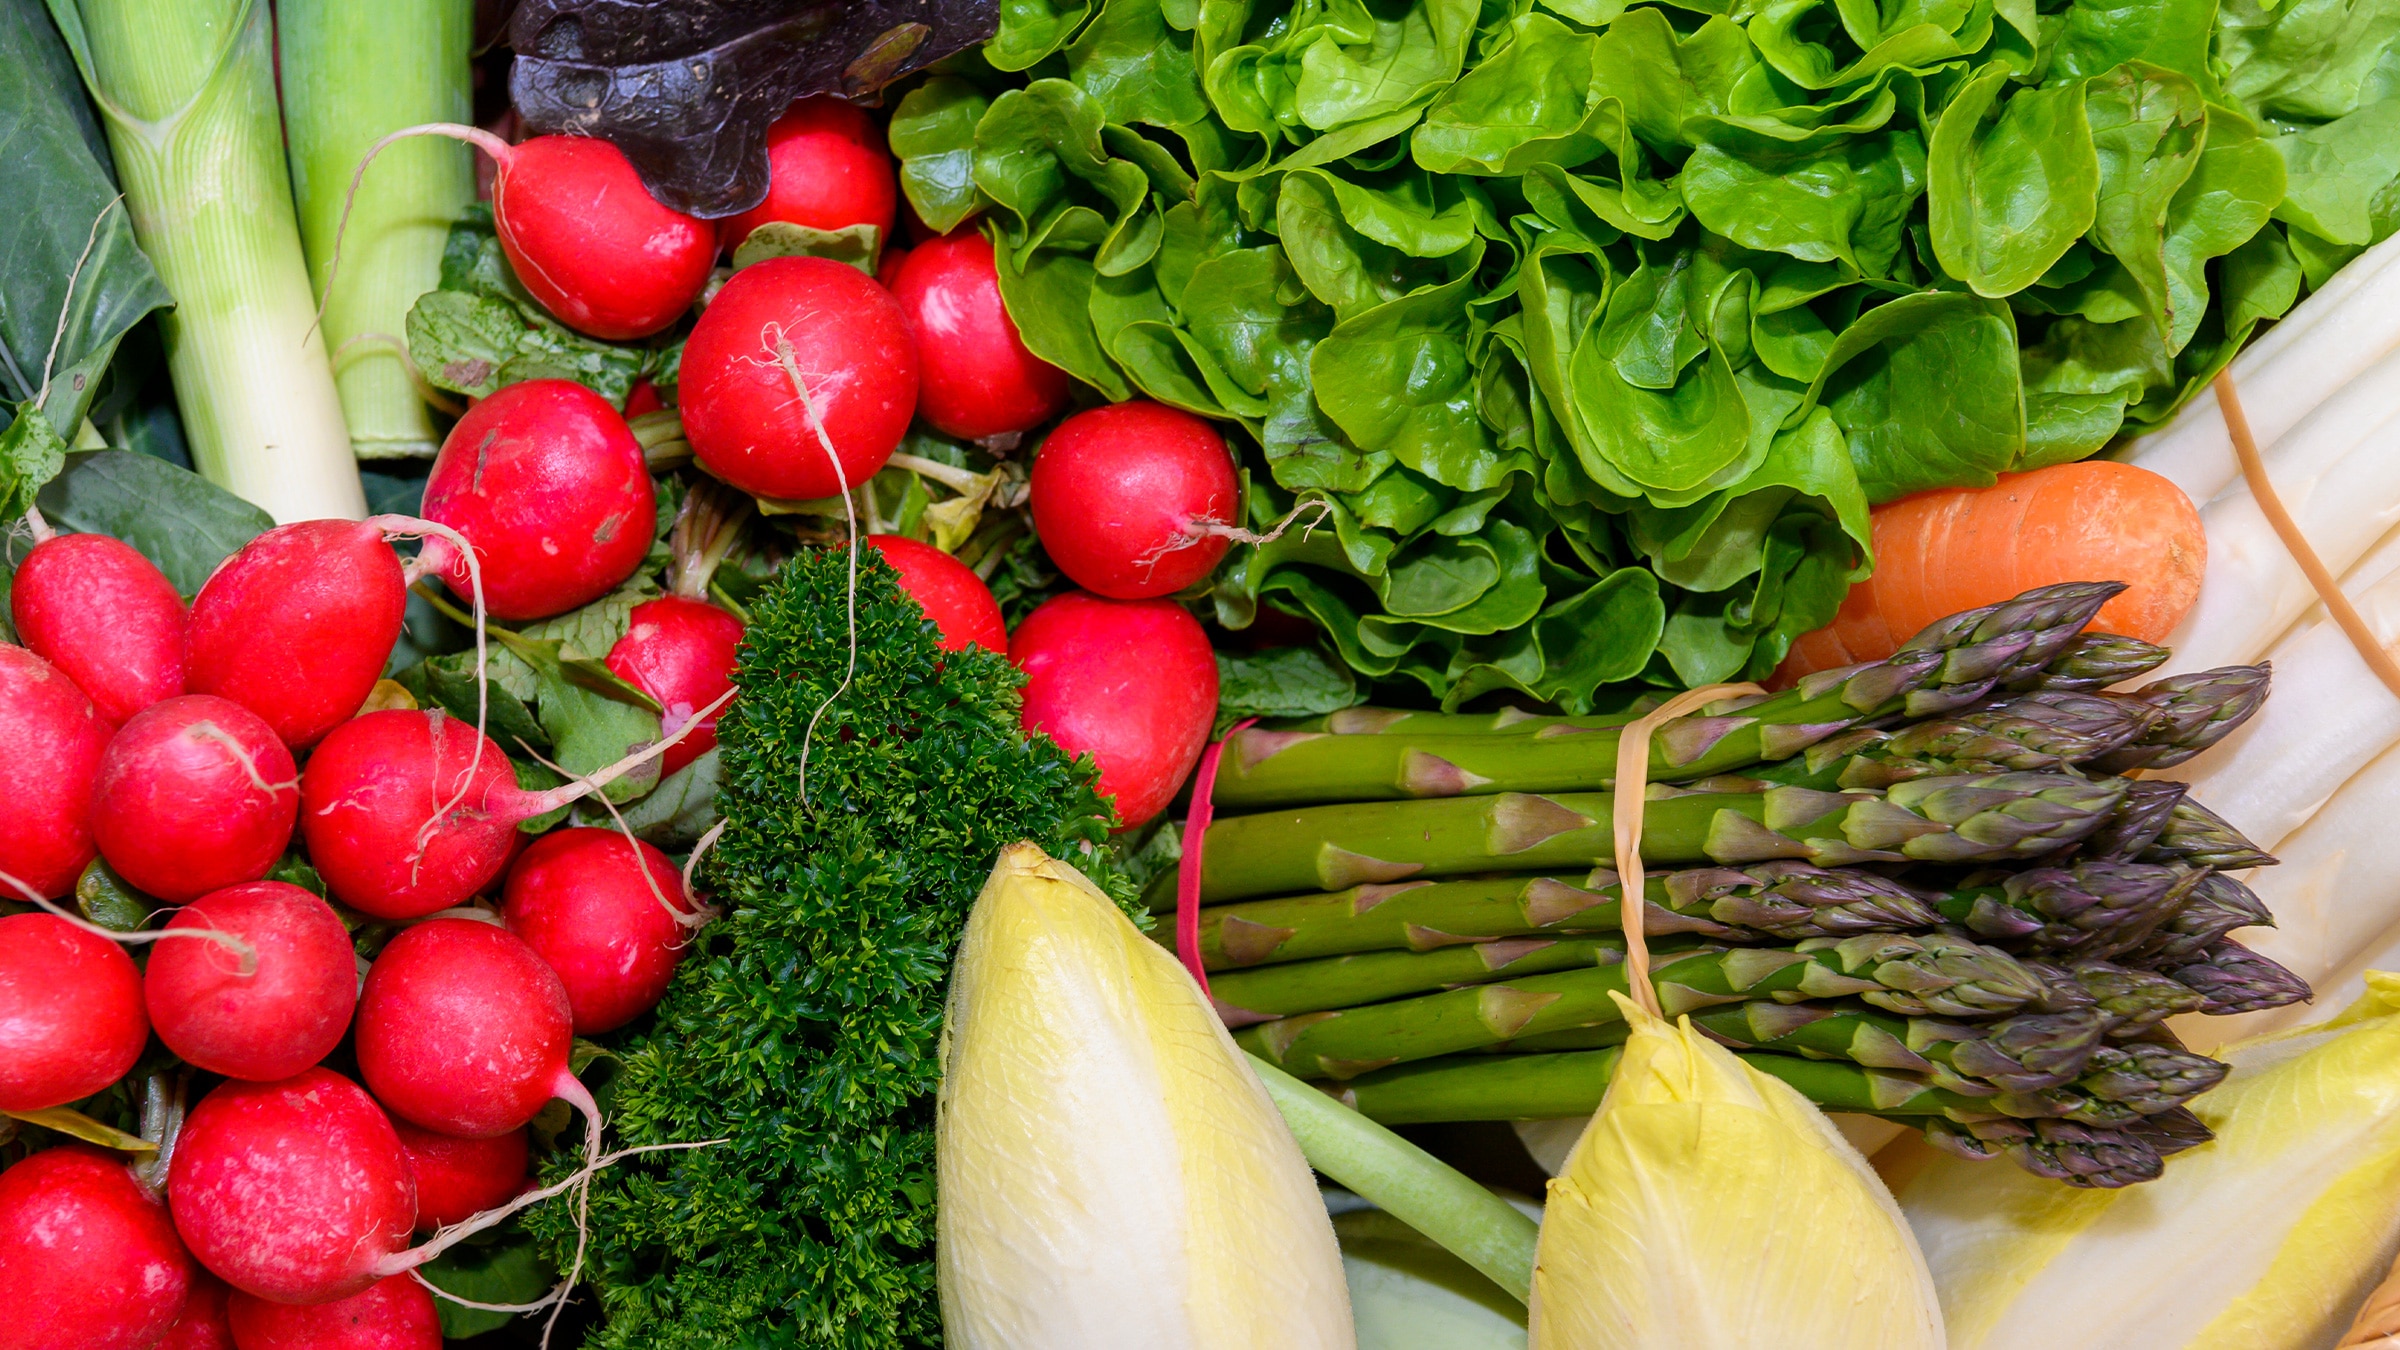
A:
(1597, 328)
(674, 852)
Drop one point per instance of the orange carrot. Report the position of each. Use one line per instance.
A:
(1937, 553)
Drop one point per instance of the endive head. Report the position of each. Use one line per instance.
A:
(1710, 1207)
(1112, 1174)
(2267, 1237)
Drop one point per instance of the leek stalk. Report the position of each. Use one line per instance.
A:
(352, 73)
(187, 89)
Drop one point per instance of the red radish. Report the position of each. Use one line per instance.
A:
(682, 652)
(194, 794)
(978, 378)
(100, 611)
(201, 1325)
(395, 1313)
(544, 479)
(950, 593)
(71, 1020)
(887, 267)
(642, 398)
(55, 738)
(1132, 683)
(583, 234)
(294, 1191)
(297, 626)
(827, 169)
(462, 1029)
(578, 898)
(88, 1259)
(285, 1014)
(460, 1178)
(840, 335)
(1134, 500)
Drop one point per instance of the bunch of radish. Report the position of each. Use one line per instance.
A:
(196, 754)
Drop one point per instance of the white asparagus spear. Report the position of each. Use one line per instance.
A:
(2324, 344)
(2329, 717)
(2336, 901)
(2341, 484)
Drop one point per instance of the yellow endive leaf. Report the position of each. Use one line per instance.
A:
(1111, 1172)
(1710, 1207)
(2266, 1238)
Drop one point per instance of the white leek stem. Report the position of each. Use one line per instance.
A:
(187, 89)
(352, 72)
(2322, 345)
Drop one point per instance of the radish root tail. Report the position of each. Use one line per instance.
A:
(485, 141)
(699, 913)
(780, 347)
(410, 527)
(1196, 530)
(239, 947)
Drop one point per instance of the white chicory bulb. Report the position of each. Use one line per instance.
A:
(2267, 1238)
(1710, 1207)
(1111, 1172)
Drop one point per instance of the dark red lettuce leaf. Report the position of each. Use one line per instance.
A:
(686, 88)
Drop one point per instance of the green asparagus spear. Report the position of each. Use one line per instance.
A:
(2231, 978)
(1952, 819)
(2095, 661)
(1949, 666)
(2059, 1150)
(2218, 905)
(2149, 804)
(1916, 976)
(2195, 712)
(1776, 899)
(2131, 1000)
(2046, 731)
(1245, 997)
(1555, 1086)
(2199, 837)
(2096, 908)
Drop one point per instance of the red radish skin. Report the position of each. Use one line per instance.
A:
(409, 812)
(202, 1324)
(370, 790)
(591, 243)
(746, 423)
(297, 626)
(71, 1019)
(294, 1191)
(458, 1179)
(193, 795)
(1123, 498)
(546, 482)
(1132, 683)
(949, 592)
(285, 1014)
(463, 1030)
(97, 609)
(55, 739)
(88, 1259)
(392, 1314)
(977, 378)
(578, 899)
(887, 268)
(681, 652)
(827, 169)
(643, 398)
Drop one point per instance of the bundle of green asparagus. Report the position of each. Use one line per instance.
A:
(1932, 888)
